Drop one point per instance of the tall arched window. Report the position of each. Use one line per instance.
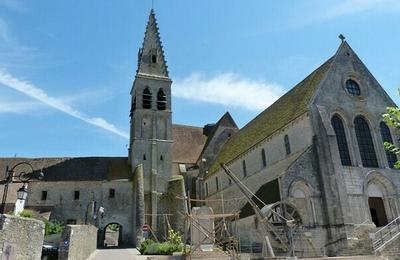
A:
(264, 158)
(341, 140)
(387, 137)
(161, 100)
(146, 99)
(244, 168)
(365, 143)
(287, 144)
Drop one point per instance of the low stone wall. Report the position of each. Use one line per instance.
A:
(78, 242)
(21, 238)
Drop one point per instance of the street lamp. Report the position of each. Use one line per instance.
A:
(24, 172)
(22, 193)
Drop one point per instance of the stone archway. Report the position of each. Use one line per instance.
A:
(111, 236)
(380, 197)
(300, 195)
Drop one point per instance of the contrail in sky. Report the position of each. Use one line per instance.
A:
(34, 92)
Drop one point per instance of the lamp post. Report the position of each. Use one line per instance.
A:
(23, 172)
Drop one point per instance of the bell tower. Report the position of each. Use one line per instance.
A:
(151, 123)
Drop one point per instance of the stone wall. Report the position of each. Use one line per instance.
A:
(78, 242)
(21, 238)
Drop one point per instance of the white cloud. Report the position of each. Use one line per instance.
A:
(349, 7)
(228, 89)
(38, 94)
(18, 106)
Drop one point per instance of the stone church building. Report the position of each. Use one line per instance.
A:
(318, 148)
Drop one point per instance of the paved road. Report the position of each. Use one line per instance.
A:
(125, 254)
(119, 254)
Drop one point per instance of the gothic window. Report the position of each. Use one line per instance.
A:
(387, 137)
(244, 168)
(153, 56)
(287, 144)
(146, 100)
(353, 88)
(365, 143)
(341, 140)
(206, 189)
(216, 183)
(161, 100)
(161, 158)
(144, 157)
(264, 159)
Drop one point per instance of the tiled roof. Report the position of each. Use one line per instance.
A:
(188, 143)
(74, 169)
(287, 108)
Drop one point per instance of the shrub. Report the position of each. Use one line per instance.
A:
(53, 227)
(26, 213)
(173, 244)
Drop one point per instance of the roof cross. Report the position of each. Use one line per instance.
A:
(341, 37)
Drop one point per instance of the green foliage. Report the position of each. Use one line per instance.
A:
(113, 227)
(392, 118)
(53, 227)
(173, 244)
(26, 213)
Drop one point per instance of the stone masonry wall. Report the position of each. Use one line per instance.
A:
(21, 238)
(78, 242)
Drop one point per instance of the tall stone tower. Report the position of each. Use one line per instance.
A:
(151, 124)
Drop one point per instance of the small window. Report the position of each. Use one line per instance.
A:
(353, 88)
(161, 158)
(76, 195)
(216, 183)
(287, 145)
(144, 157)
(161, 100)
(111, 193)
(146, 98)
(206, 189)
(44, 195)
(263, 157)
(244, 168)
(71, 221)
(154, 58)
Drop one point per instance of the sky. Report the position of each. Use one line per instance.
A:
(67, 67)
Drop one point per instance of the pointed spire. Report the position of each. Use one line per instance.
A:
(151, 59)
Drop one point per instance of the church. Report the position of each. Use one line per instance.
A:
(318, 151)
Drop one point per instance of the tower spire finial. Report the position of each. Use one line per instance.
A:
(341, 37)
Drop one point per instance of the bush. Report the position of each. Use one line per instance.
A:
(53, 227)
(26, 213)
(173, 244)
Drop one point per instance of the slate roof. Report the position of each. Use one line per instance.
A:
(287, 108)
(74, 169)
(188, 143)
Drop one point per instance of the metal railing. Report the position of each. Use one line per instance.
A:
(386, 234)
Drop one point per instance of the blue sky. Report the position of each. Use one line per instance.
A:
(66, 67)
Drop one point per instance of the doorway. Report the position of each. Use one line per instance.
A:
(377, 210)
(112, 235)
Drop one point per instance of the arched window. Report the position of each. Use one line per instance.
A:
(387, 137)
(244, 168)
(146, 99)
(341, 140)
(216, 183)
(365, 143)
(287, 144)
(264, 159)
(161, 100)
